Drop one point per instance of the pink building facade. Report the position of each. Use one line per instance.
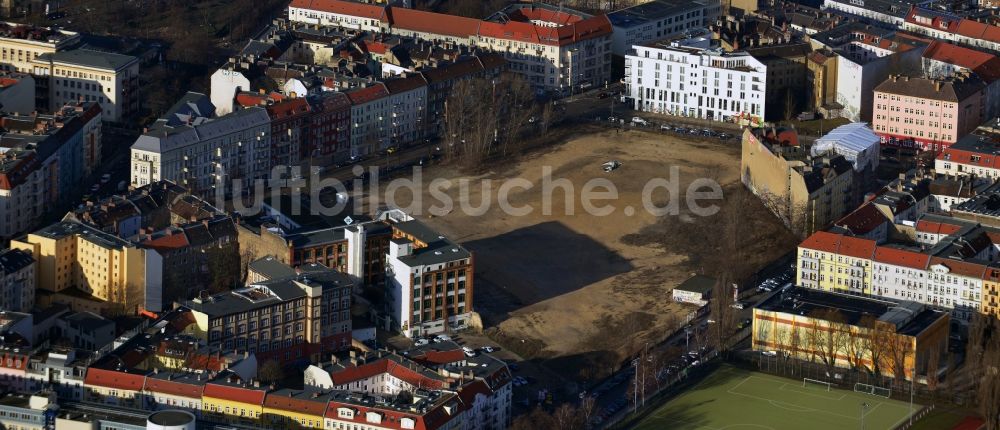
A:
(927, 114)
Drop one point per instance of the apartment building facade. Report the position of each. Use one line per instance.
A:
(695, 82)
(973, 154)
(953, 28)
(928, 114)
(948, 270)
(45, 159)
(293, 318)
(83, 75)
(371, 117)
(429, 278)
(93, 271)
(21, 44)
(17, 281)
(555, 49)
(196, 150)
(866, 57)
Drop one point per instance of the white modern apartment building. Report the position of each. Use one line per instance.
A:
(112, 80)
(195, 149)
(17, 281)
(702, 83)
(659, 19)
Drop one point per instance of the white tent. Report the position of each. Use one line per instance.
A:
(855, 141)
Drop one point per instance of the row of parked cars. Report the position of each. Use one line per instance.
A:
(638, 121)
(779, 281)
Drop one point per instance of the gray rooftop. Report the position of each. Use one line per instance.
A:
(652, 11)
(12, 260)
(439, 249)
(63, 229)
(267, 293)
(90, 58)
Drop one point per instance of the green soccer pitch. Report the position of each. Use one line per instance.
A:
(735, 399)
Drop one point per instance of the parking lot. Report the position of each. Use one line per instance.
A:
(679, 127)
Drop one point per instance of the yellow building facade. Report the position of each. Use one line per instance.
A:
(83, 264)
(851, 332)
(836, 263)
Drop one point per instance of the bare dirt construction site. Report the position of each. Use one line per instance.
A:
(584, 291)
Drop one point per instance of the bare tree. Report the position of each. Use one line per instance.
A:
(548, 116)
(270, 372)
(933, 365)
(832, 337)
(722, 312)
(871, 343)
(587, 410)
(566, 417)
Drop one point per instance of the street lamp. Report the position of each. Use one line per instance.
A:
(864, 407)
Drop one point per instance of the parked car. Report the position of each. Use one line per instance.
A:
(738, 305)
(639, 121)
(666, 127)
(770, 353)
(488, 349)
(441, 338)
(469, 352)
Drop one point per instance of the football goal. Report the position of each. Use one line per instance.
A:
(872, 389)
(806, 382)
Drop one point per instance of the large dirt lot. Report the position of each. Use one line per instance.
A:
(588, 288)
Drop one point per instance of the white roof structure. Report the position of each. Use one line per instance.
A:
(855, 141)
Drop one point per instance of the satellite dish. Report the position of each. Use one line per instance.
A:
(348, 220)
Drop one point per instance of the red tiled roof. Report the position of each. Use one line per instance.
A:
(174, 388)
(250, 396)
(857, 247)
(112, 379)
(840, 244)
(340, 7)
(288, 108)
(296, 404)
(937, 227)
(961, 268)
(863, 220)
(978, 30)
(435, 23)
(822, 241)
(6, 82)
(441, 357)
(378, 367)
(901, 257)
(367, 94)
(963, 156)
(987, 66)
(432, 419)
(938, 21)
(375, 47)
(167, 242)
